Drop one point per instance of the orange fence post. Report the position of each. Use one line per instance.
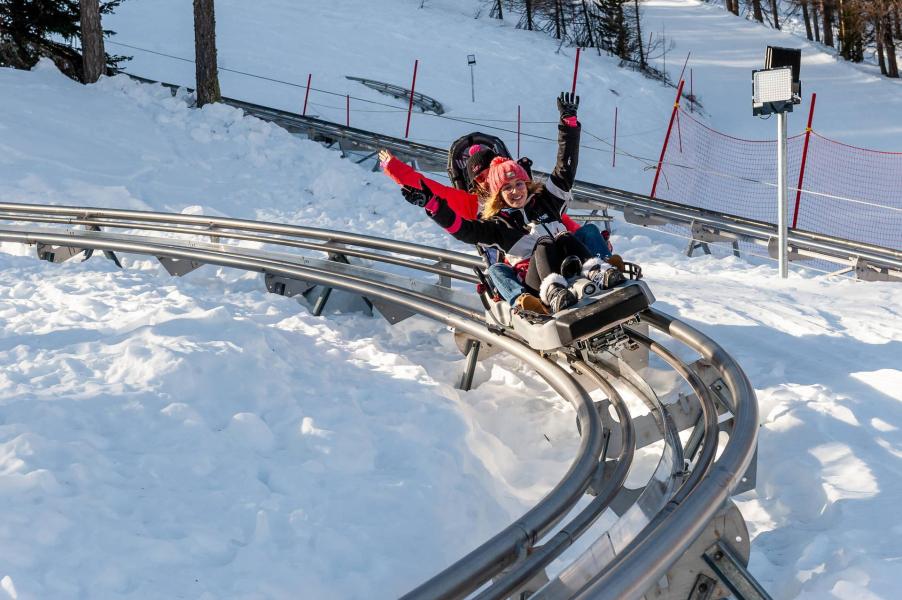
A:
(795, 212)
(410, 104)
(575, 71)
(307, 94)
(676, 107)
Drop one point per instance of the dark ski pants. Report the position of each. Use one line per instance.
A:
(549, 254)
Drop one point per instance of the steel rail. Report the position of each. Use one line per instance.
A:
(630, 575)
(541, 556)
(227, 233)
(704, 462)
(759, 231)
(84, 213)
(492, 557)
(487, 560)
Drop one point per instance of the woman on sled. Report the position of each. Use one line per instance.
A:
(522, 218)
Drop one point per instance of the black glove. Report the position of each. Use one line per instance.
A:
(526, 163)
(567, 104)
(417, 197)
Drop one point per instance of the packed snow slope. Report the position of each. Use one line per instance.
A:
(196, 437)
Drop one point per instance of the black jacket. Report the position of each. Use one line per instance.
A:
(516, 231)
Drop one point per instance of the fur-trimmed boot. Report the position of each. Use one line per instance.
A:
(602, 274)
(555, 294)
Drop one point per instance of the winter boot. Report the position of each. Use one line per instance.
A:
(554, 293)
(559, 298)
(530, 303)
(604, 276)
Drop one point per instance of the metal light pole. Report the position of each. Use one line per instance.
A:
(775, 89)
(471, 60)
(782, 203)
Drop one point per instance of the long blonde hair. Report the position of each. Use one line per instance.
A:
(494, 202)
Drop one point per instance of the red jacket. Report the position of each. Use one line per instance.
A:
(461, 202)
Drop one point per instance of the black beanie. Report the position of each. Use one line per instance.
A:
(479, 161)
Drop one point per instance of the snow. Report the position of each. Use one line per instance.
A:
(197, 437)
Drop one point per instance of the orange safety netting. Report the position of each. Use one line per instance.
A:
(847, 192)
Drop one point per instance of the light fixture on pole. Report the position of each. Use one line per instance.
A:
(775, 89)
(471, 60)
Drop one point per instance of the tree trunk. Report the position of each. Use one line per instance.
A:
(756, 11)
(807, 19)
(892, 66)
(878, 37)
(588, 25)
(841, 22)
(497, 11)
(93, 55)
(814, 17)
(639, 36)
(734, 7)
(827, 9)
(774, 8)
(205, 53)
(529, 15)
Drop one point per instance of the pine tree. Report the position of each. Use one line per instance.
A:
(29, 30)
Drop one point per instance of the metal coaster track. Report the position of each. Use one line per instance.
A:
(661, 525)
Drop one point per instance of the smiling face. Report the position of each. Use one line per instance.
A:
(514, 193)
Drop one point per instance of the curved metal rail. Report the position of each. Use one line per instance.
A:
(647, 534)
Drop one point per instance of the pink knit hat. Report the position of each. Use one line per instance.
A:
(502, 171)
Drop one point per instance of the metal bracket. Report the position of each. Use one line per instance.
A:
(285, 286)
(773, 250)
(320, 303)
(178, 266)
(694, 576)
(56, 254)
(701, 236)
(868, 272)
(444, 280)
(731, 570)
(642, 217)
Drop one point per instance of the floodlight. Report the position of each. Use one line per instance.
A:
(772, 91)
(471, 59)
(775, 56)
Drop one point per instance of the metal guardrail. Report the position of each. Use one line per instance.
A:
(654, 543)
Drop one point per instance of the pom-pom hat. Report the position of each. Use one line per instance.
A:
(503, 171)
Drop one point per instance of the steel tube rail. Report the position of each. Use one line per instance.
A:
(757, 230)
(468, 573)
(320, 247)
(457, 258)
(543, 555)
(656, 553)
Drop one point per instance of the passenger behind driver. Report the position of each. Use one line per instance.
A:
(523, 219)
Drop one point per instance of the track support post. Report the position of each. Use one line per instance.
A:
(466, 378)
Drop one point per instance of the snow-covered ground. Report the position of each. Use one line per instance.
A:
(197, 437)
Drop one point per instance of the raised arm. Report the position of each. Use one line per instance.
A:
(460, 201)
(564, 173)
